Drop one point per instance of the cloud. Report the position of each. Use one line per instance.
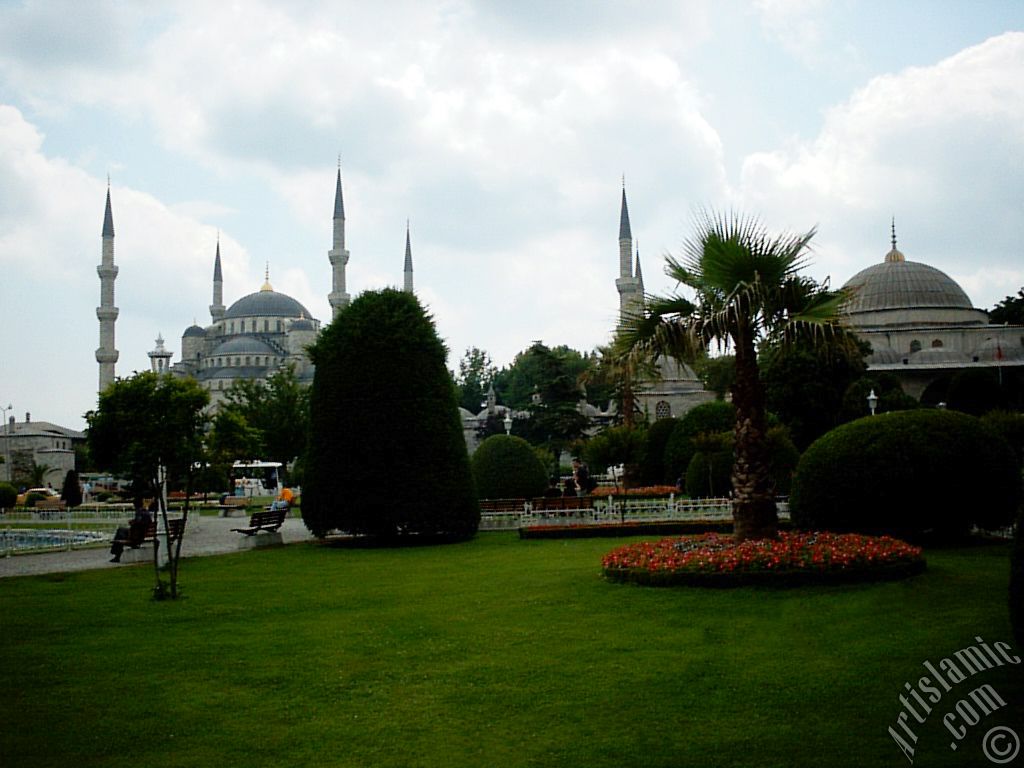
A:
(909, 145)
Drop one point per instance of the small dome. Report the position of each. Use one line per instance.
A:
(998, 349)
(939, 355)
(466, 415)
(194, 331)
(884, 355)
(302, 324)
(266, 303)
(243, 345)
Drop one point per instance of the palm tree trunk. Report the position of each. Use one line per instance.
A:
(754, 512)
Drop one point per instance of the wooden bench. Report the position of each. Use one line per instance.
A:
(133, 548)
(269, 520)
(231, 503)
(502, 505)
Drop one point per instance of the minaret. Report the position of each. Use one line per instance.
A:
(160, 358)
(408, 260)
(217, 307)
(626, 283)
(639, 277)
(106, 312)
(338, 255)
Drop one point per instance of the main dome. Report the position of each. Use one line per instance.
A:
(905, 293)
(267, 304)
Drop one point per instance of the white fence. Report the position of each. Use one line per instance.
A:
(620, 509)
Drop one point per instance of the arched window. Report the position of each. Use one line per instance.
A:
(915, 346)
(280, 326)
(266, 326)
(936, 343)
(662, 410)
(248, 361)
(232, 327)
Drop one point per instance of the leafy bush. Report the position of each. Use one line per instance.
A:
(616, 445)
(886, 388)
(8, 495)
(716, 416)
(710, 470)
(71, 491)
(907, 473)
(400, 469)
(34, 498)
(975, 391)
(652, 467)
(506, 467)
(1009, 426)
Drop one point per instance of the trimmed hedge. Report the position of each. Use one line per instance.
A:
(907, 473)
(652, 467)
(1017, 582)
(386, 453)
(506, 467)
(707, 418)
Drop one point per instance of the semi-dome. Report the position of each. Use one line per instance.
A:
(243, 345)
(267, 303)
(937, 355)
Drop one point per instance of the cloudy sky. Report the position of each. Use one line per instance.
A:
(502, 131)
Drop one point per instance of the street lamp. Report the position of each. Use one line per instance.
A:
(7, 443)
(872, 401)
(508, 422)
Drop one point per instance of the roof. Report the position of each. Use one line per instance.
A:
(267, 304)
(194, 330)
(896, 284)
(243, 345)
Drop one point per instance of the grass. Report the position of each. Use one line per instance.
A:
(495, 652)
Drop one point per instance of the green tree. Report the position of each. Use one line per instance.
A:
(748, 291)
(1009, 311)
(71, 491)
(387, 472)
(555, 421)
(38, 473)
(146, 422)
(619, 377)
(532, 371)
(618, 445)
(805, 383)
(717, 373)
(276, 410)
(887, 389)
(476, 372)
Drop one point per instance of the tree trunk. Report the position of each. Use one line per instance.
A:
(754, 512)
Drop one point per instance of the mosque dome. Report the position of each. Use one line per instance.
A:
(901, 292)
(266, 303)
(193, 331)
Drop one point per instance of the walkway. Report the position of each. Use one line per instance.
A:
(213, 536)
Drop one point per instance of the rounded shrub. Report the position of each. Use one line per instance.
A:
(710, 474)
(906, 473)
(652, 467)
(710, 469)
(8, 496)
(386, 454)
(506, 467)
(707, 418)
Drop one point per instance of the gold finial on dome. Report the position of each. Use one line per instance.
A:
(266, 280)
(894, 254)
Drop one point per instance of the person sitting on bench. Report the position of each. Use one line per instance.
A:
(134, 533)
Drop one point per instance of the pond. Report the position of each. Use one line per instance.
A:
(33, 539)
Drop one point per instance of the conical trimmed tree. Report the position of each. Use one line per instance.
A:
(386, 453)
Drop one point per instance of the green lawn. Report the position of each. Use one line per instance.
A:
(496, 652)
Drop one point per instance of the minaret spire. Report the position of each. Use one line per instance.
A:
(408, 260)
(338, 254)
(106, 312)
(217, 308)
(627, 285)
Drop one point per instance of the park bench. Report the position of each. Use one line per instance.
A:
(269, 520)
(561, 503)
(231, 503)
(502, 505)
(137, 537)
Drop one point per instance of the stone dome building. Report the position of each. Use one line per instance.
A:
(922, 326)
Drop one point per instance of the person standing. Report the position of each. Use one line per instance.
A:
(581, 474)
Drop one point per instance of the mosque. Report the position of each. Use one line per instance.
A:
(923, 328)
(258, 334)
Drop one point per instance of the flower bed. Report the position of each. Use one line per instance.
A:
(714, 559)
(646, 490)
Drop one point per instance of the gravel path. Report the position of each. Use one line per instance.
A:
(212, 536)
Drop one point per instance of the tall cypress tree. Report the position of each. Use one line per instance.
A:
(386, 453)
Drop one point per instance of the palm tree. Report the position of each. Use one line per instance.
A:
(748, 291)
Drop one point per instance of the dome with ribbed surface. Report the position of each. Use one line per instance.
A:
(902, 284)
(267, 304)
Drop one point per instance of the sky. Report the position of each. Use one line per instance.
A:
(502, 132)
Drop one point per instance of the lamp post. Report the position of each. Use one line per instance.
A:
(508, 422)
(7, 444)
(872, 401)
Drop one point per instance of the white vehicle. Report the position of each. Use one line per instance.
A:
(256, 478)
